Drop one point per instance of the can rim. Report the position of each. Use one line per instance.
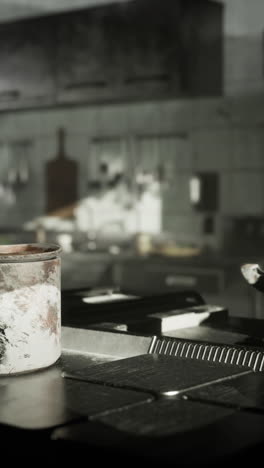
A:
(20, 253)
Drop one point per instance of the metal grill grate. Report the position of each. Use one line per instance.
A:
(223, 354)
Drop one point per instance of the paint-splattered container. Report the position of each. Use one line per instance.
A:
(30, 307)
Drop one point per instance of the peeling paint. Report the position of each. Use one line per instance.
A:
(50, 322)
(3, 342)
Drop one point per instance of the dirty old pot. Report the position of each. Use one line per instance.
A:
(30, 307)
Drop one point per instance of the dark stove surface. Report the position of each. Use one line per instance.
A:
(114, 393)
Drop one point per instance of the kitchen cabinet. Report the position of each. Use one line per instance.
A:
(111, 53)
(135, 51)
(139, 50)
(84, 65)
(27, 58)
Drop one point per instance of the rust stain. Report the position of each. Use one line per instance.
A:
(50, 322)
(2, 278)
(3, 341)
(49, 268)
(8, 278)
(25, 275)
(21, 301)
(22, 249)
(14, 278)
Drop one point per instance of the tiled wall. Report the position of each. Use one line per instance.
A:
(243, 47)
(243, 64)
(224, 135)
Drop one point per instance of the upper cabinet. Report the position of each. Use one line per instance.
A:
(83, 59)
(27, 63)
(142, 49)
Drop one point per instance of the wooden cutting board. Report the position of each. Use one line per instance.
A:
(61, 179)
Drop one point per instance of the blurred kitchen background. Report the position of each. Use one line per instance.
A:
(131, 133)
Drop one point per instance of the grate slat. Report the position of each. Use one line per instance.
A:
(223, 354)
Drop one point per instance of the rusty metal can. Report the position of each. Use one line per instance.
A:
(30, 307)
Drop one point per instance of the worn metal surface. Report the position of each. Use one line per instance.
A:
(30, 307)
(156, 374)
(43, 400)
(126, 404)
(243, 392)
(156, 434)
(104, 342)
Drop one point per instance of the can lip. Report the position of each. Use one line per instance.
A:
(17, 253)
